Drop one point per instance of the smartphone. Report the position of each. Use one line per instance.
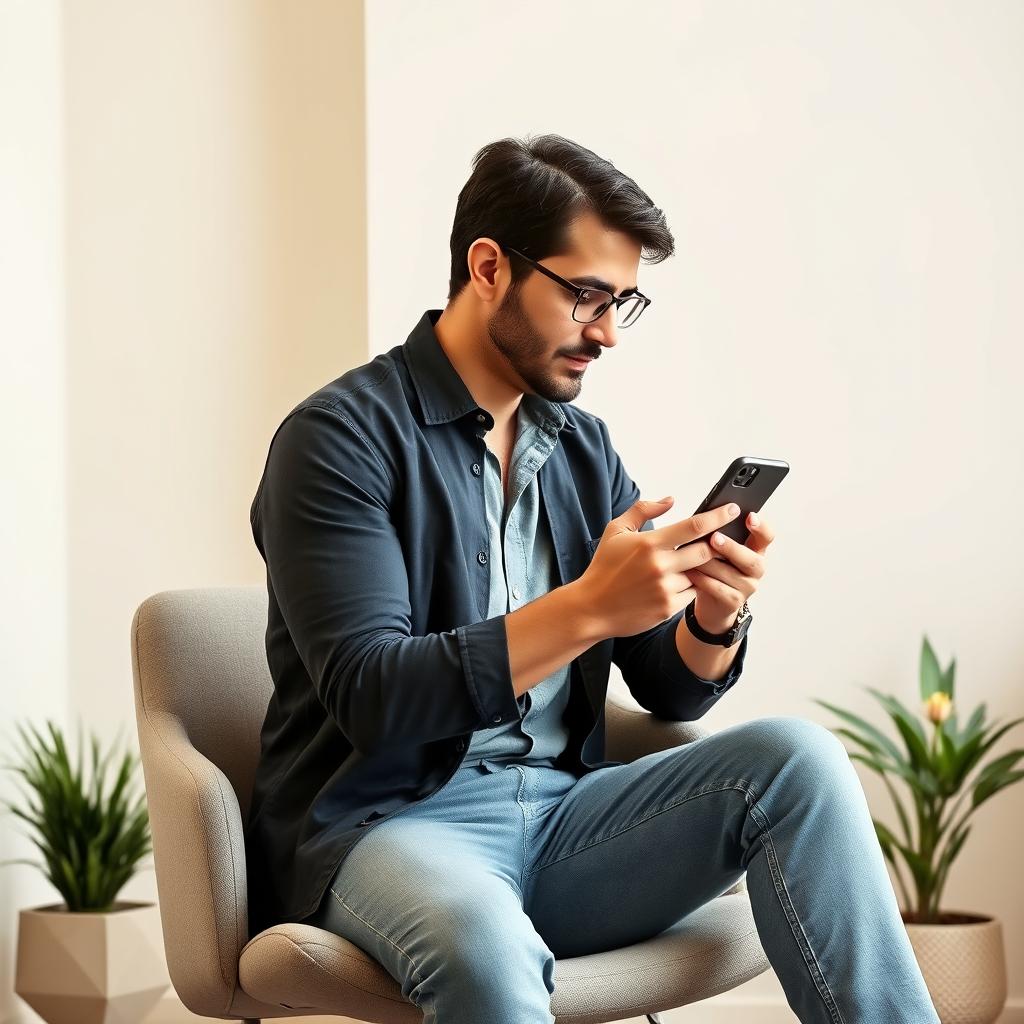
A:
(750, 482)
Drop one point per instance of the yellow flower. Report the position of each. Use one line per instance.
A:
(938, 707)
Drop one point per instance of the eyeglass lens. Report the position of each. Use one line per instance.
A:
(594, 302)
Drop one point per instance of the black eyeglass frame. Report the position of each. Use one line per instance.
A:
(579, 291)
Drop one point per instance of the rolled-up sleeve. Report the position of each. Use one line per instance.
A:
(649, 661)
(336, 568)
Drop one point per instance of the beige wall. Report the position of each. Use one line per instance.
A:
(844, 185)
(190, 185)
(34, 683)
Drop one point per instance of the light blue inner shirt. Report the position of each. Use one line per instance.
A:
(526, 570)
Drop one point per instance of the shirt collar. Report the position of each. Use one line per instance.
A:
(443, 394)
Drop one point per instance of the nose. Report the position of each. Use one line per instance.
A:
(603, 329)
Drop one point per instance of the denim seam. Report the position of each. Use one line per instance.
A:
(803, 943)
(526, 825)
(711, 787)
(417, 977)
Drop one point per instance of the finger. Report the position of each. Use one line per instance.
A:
(724, 593)
(683, 583)
(725, 573)
(761, 534)
(748, 561)
(696, 527)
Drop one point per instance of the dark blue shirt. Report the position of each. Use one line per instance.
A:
(371, 518)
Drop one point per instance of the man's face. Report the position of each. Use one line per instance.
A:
(533, 327)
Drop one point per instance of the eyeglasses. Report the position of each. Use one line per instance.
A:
(591, 303)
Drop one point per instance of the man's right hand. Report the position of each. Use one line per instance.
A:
(637, 579)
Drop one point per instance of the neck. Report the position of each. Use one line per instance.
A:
(483, 369)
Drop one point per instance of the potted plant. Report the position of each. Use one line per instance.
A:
(93, 956)
(961, 954)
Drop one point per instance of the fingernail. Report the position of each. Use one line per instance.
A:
(734, 510)
(753, 519)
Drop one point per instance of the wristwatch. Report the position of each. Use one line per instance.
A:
(733, 635)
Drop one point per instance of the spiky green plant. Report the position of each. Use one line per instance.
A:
(935, 771)
(91, 842)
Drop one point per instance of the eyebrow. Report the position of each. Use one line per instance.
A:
(589, 281)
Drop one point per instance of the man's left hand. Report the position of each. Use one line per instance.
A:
(723, 585)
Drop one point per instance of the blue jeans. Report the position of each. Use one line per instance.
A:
(467, 897)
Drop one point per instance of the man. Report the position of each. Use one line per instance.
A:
(455, 555)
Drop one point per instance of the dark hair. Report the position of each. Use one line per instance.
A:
(525, 193)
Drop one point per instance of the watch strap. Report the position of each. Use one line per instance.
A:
(726, 639)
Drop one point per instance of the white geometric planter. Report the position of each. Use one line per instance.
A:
(91, 968)
(964, 966)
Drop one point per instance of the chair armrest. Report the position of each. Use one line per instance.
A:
(632, 732)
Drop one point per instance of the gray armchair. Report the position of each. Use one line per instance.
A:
(201, 687)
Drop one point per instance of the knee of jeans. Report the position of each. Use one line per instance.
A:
(785, 739)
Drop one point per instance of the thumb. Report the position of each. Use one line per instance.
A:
(643, 509)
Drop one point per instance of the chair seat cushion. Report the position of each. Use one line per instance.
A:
(302, 967)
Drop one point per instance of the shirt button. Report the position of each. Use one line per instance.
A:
(481, 417)
(515, 593)
(497, 718)
(461, 745)
(481, 557)
(476, 469)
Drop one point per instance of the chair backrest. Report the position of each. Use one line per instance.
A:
(202, 686)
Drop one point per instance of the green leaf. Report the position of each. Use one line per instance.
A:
(953, 846)
(949, 678)
(998, 766)
(975, 722)
(912, 778)
(980, 744)
(870, 746)
(898, 713)
(931, 675)
(968, 756)
(914, 739)
(991, 786)
(921, 870)
(948, 761)
(900, 812)
(868, 729)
